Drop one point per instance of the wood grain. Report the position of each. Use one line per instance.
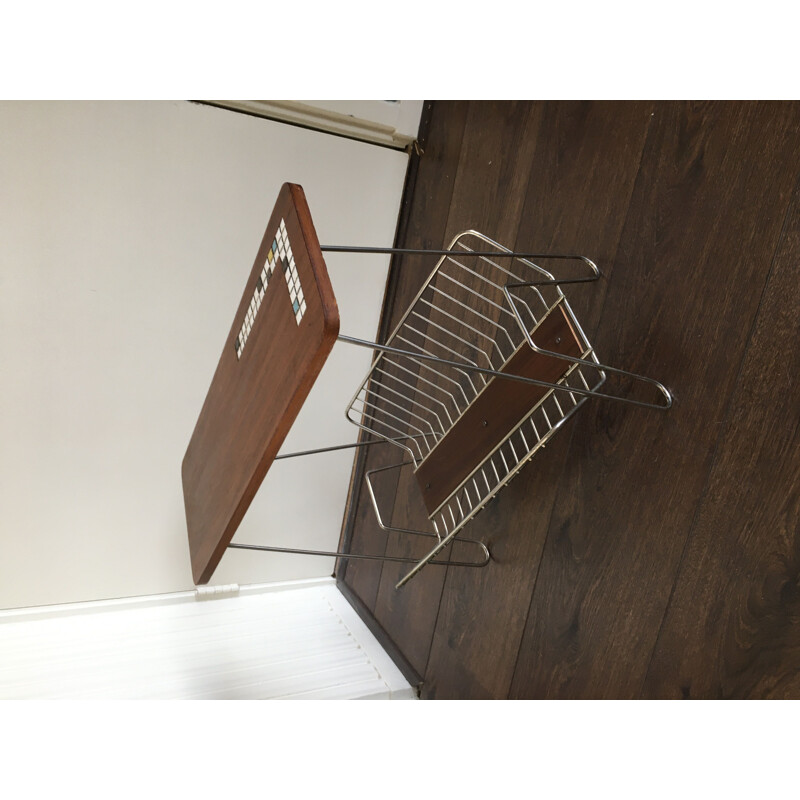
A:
(732, 629)
(582, 176)
(642, 553)
(253, 400)
(426, 212)
(500, 406)
(491, 177)
(703, 224)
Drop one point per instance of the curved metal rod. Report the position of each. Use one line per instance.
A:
(338, 554)
(355, 422)
(428, 559)
(507, 375)
(377, 511)
(487, 555)
(553, 282)
(572, 359)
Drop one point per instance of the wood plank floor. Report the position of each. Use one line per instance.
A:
(641, 554)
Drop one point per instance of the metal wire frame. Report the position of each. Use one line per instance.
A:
(408, 398)
(363, 556)
(444, 394)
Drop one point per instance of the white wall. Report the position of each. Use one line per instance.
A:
(127, 231)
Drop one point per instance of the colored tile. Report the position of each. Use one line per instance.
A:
(278, 256)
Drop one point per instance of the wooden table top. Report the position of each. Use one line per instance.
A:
(282, 333)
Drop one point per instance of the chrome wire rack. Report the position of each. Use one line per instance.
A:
(447, 389)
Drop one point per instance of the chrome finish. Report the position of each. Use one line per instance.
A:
(332, 448)
(333, 248)
(663, 389)
(460, 331)
(506, 375)
(362, 556)
(384, 526)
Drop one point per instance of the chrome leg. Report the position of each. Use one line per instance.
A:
(667, 395)
(368, 478)
(342, 555)
(337, 554)
(463, 366)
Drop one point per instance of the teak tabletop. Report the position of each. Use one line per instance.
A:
(282, 333)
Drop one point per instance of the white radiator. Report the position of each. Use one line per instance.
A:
(275, 641)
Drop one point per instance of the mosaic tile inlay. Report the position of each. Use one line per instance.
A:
(279, 257)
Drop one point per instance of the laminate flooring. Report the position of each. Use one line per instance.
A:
(642, 554)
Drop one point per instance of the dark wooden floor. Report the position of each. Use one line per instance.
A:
(641, 554)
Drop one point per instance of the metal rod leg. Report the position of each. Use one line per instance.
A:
(410, 251)
(602, 367)
(428, 559)
(344, 447)
(521, 378)
(466, 539)
(595, 274)
(337, 554)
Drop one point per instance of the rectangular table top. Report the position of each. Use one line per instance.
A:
(282, 333)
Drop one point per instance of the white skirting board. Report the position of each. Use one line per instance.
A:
(393, 123)
(293, 640)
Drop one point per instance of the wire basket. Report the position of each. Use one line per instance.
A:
(461, 333)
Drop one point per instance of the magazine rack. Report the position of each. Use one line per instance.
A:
(486, 364)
